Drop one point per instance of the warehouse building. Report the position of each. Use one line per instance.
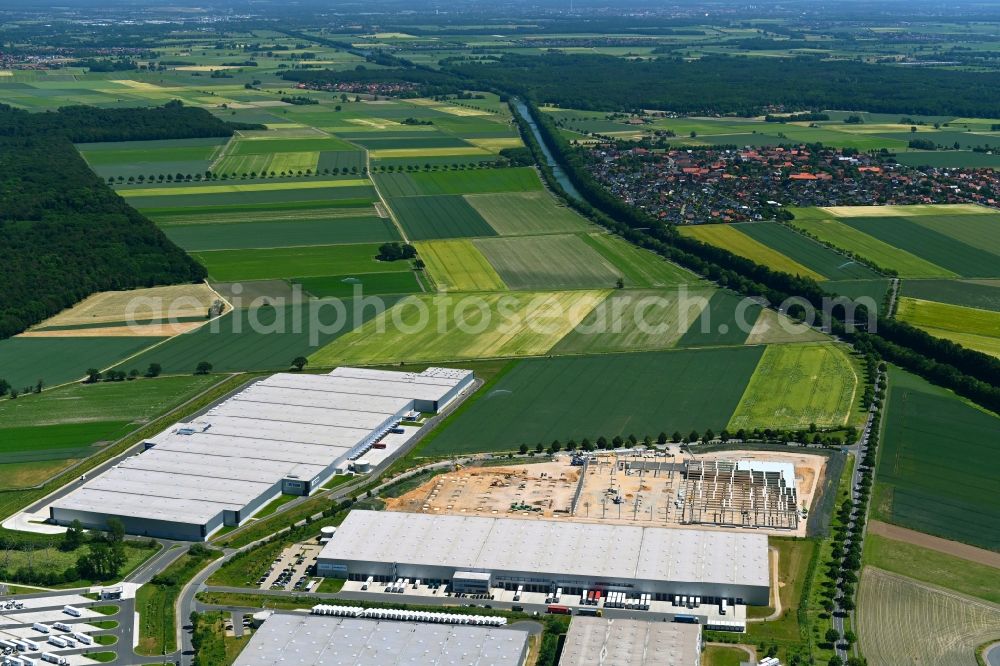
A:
(595, 641)
(476, 554)
(286, 434)
(311, 640)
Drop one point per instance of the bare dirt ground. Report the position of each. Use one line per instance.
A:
(609, 492)
(964, 551)
(175, 301)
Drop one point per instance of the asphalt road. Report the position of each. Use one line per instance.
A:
(859, 450)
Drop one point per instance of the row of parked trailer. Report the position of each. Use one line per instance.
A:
(408, 615)
(21, 660)
(624, 600)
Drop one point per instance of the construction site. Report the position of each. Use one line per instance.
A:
(767, 491)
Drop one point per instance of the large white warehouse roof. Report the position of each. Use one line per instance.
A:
(585, 549)
(311, 640)
(287, 426)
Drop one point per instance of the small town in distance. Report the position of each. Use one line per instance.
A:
(586, 334)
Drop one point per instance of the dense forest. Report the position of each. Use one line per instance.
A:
(969, 373)
(64, 234)
(741, 85)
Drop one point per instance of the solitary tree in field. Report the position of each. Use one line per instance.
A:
(154, 370)
(299, 362)
(203, 368)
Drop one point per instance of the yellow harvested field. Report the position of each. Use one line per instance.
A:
(496, 145)
(142, 85)
(175, 301)
(427, 152)
(137, 330)
(902, 211)
(204, 68)
(377, 123)
(227, 189)
(461, 111)
(737, 242)
(6, 72)
(773, 328)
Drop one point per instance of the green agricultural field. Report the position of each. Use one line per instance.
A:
(880, 253)
(23, 361)
(900, 620)
(796, 385)
(412, 141)
(639, 267)
(949, 159)
(981, 294)
(282, 233)
(521, 179)
(456, 265)
(728, 320)
(873, 289)
(453, 327)
(342, 160)
(526, 213)
(305, 162)
(369, 284)
(977, 329)
(980, 231)
(238, 165)
(548, 262)
(932, 566)
(238, 214)
(541, 400)
(239, 188)
(732, 239)
(130, 401)
(310, 261)
(923, 240)
(269, 146)
(264, 338)
(806, 251)
(951, 496)
(434, 217)
(146, 158)
(636, 320)
(36, 443)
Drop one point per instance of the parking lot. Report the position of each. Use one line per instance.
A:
(293, 569)
(30, 626)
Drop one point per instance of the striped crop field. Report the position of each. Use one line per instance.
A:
(234, 188)
(903, 621)
(447, 327)
(796, 385)
(737, 242)
(970, 327)
(456, 265)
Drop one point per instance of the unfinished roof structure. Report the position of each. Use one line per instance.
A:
(287, 433)
(310, 640)
(596, 641)
(743, 493)
(657, 560)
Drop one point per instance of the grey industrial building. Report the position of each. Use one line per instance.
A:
(310, 640)
(472, 554)
(596, 641)
(288, 433)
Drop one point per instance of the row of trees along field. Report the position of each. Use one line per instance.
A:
(64, 234)
(728, 84)
(967, 372)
